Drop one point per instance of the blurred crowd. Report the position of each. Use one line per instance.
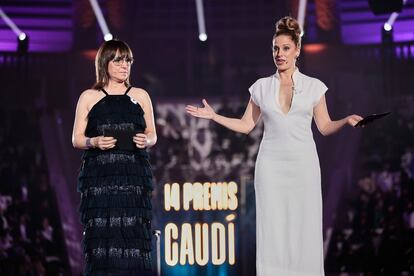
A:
(31, 240)
(192, 149)
(374, 232)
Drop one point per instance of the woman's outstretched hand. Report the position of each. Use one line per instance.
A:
(353, 119)
(206, 112)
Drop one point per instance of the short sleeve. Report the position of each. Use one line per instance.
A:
(254, 92)
(319, 89)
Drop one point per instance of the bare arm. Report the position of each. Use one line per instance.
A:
(244, 125)
(81, 120)
(149, 137)
(324, 123)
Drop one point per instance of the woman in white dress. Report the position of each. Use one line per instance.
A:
(287, 174)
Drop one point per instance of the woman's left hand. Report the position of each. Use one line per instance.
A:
(141, 140)
(353, 119)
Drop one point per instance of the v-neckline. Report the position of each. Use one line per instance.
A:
(278, 100)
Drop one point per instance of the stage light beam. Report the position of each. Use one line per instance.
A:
(202, 33)
(22, 38)
(391, 20)
(301, 15)
(101, 20)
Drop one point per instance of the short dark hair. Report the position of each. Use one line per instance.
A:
(106, 53)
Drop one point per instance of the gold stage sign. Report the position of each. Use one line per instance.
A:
(196, 240)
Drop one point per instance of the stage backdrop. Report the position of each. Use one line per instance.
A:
(204, 196)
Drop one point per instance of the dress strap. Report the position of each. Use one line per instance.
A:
(129, 88)
(103, 90)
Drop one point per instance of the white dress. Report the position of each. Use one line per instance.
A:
(288, 181)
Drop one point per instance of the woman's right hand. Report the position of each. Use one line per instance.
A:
(206, 112)
(353, 120)
(103, 143)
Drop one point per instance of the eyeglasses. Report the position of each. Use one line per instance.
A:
(119, 60)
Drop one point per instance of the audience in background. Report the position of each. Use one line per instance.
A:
(31, 240)
(374, 232)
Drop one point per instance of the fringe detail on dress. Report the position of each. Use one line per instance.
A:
(140, 213)
(121, 267)
(99, 185)
(114, 244)
(114, 201)
(130, 232)
(92, 169)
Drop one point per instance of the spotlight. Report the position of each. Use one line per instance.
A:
(101, 20)
(202, 33)
(387, 35)
(387, 26)
(108, 37)
(22, 36)
(202, 37)
(391, 19)
(22, 43)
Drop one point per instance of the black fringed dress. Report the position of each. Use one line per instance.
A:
(115, 187)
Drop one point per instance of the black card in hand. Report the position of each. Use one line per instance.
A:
(370, 118)
(123, 137)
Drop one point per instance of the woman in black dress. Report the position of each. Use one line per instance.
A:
(115, 179)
